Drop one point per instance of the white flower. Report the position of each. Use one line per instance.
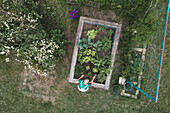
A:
(7, 51)
(7, 47)
(11, 34)
(38, 72)
(7, 60)
(29, 66)
(1, 53)
(57, 46)
(45, 74)
(12, 47)
(49, 51)
(6, 25)
(135, 32)
(26, 61)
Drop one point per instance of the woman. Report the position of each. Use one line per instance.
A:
(84, 84)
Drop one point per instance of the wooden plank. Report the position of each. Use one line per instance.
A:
(74, 57)
(114, 48)
(101, 22)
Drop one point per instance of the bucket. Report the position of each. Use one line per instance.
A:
(128, 87)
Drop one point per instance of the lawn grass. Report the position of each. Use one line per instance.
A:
(71, 100)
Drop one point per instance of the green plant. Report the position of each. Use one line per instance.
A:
(110, 32)
(85, 43)
(85, 55)
(101, 77)
(135, 65)
(88, 43)
(21, 30)
(78, 69)
(92, 33)
(102, 67)
(106, 43)
(90, 52)
(89, 73)
(102, 61)
(97, 45)
(85, 59)
(95, 70)
(101, 28)
(87, 67)
(142, 30)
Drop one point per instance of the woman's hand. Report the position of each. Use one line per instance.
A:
(77, 81)
(94, 76)
(79, 78)
(93, 79)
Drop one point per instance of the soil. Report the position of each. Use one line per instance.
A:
(102, 53)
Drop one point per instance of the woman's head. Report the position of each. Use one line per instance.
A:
(86, 80)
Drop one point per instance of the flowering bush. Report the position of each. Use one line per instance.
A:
(21, 31)
(14, 26)
(73, 14)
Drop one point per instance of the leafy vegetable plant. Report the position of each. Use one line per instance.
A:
(87, 67)
(106, 43)
(95, 70)
(85, 43)
(88, 53)
(92, 34)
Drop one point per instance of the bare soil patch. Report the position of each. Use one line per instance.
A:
(46, 88)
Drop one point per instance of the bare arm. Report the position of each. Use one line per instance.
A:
(79, 78)
(93, 79)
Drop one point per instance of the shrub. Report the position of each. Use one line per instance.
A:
(22, 31)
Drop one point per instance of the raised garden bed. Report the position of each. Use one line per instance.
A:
(137, 80)
(106, 32)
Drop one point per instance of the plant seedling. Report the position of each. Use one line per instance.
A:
(110, 32)
(95, 70)
(92, 34)
(87, 67)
